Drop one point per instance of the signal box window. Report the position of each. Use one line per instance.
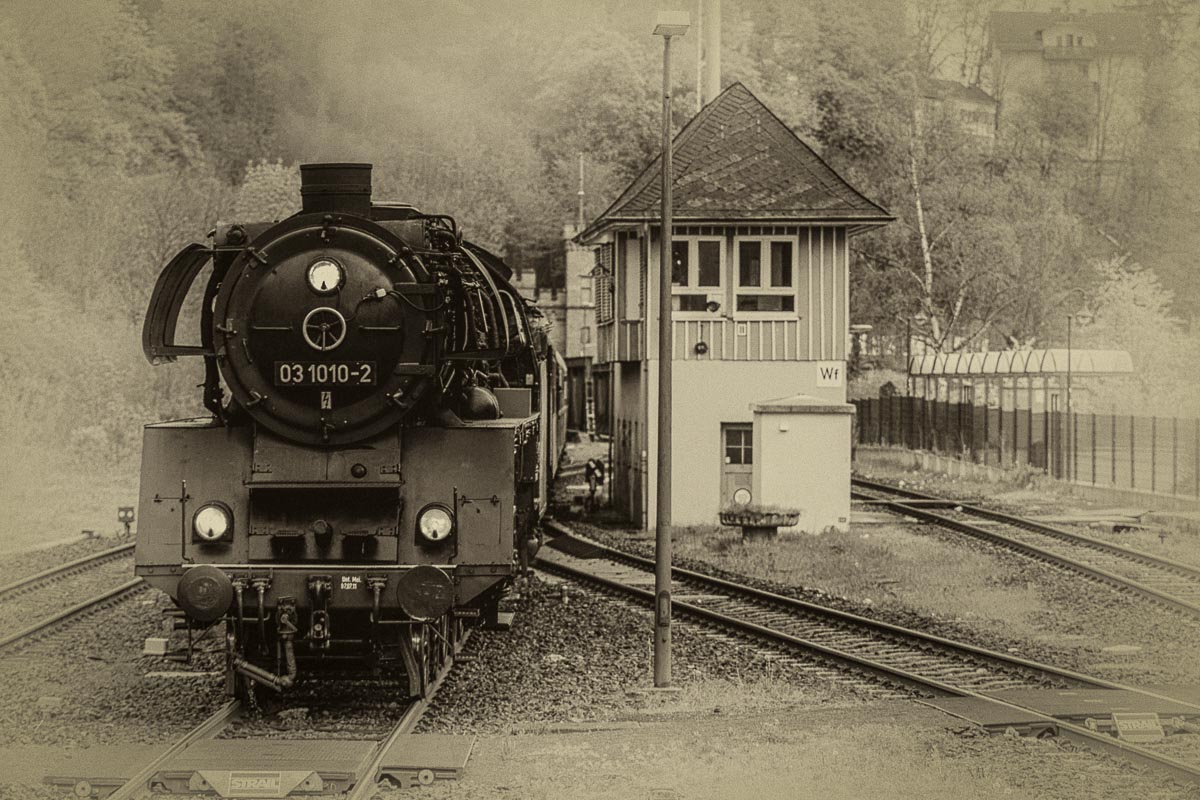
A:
(679, 263)
(696, 272)
(739, 446)
(766, 275)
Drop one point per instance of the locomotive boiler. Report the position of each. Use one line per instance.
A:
(384, 420)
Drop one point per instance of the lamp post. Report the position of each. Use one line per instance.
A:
(1069, 467)
(670, 23)
(1070, 444)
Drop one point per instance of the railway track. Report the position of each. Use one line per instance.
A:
(81, 609)
(63, 571)
(1165, 582)
(255, 767)
(925, 665)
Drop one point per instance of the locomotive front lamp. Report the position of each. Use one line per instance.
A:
(435, 523)
(326, 276)
(212, 523)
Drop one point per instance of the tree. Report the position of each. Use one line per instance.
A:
(1132, 312)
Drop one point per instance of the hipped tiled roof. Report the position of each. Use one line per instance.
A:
(735, 160)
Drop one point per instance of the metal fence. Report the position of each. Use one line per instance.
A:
(1155, 454)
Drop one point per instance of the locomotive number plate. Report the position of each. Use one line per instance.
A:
(324, 373)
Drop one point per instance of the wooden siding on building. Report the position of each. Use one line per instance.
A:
(738, 340)
(619, 341)
(604, 342)
(817, 331)
(824, 297)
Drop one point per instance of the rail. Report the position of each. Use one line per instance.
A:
(1080, 735)
(93, 603)
(1160, 570)
(66, 570)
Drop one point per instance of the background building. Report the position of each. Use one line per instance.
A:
(1058, 65)
(969, 106)
(579, 328)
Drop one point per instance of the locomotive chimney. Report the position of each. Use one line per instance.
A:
(336, 188)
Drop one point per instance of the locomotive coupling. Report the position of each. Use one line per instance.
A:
(319, 589)
(285, 623)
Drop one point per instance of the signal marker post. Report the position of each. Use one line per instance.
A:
(670, 23)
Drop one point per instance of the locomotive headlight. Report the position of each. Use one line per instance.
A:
(435, 523)
(326, 276)
(212, 522)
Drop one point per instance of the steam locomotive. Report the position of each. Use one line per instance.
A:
(386, 416)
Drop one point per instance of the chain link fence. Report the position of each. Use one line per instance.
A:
(1154, 454)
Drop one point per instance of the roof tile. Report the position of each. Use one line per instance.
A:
(736, 160)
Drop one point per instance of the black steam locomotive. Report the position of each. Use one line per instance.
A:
(386, 416)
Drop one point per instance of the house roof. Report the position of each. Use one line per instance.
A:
(938, 89)
(735, 160)
(1114, 31)
(801, 404)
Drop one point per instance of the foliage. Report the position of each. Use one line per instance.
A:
(1132, 311)
(759, 510)
(269, 190)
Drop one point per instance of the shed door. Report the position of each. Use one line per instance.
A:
(737, 464)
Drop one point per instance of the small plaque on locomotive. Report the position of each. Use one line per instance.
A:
(325, 373)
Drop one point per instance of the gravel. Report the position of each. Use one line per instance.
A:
(87, 683)
(900, 751)
(330, 708)
(567, 661)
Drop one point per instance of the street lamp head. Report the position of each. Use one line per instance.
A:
(672, 23)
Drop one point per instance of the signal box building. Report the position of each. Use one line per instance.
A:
(760, 318)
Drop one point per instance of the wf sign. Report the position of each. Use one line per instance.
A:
(830, 373)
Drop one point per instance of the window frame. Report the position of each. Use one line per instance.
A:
(746, 435)
(764, 277)
(692, 287)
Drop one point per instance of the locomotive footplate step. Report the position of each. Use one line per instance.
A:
(1070, 705)
(266, 767)
(419, 759)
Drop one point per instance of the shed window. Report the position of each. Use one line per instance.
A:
(739, 446)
